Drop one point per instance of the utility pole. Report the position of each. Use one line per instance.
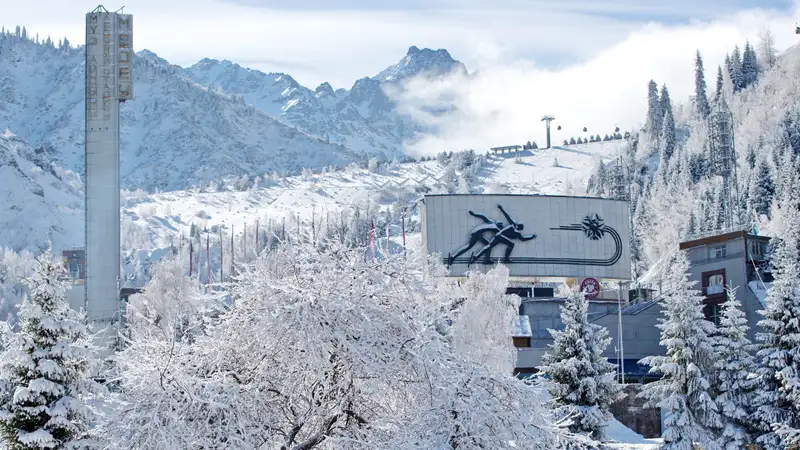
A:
(547, 120)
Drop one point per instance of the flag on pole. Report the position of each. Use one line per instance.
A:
(372, 239)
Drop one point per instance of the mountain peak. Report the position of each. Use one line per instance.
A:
(324, 89)
(422, 61)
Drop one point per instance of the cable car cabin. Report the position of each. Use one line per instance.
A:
(797, 29)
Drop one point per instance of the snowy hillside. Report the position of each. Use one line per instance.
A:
(37, 200)
(165, 216)
(363, 118)
(175, 133)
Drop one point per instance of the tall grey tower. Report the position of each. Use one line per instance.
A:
(109, 60)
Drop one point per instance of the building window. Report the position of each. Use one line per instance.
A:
(524, 292)
(713, 313)
(717, 252)
(522, 341)
(714, 282)
(540, 292)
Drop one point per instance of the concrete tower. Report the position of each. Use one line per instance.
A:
(109, 60)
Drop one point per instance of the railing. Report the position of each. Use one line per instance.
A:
(713, 290)
(723, 258)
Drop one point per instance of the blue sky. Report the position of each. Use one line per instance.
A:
(586, 61)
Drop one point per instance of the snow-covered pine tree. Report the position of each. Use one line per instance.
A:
(734, 369)
(720, 84)
(749, 66)
(751, 158)
(582, 381)
(683, 390)
(701, 98)
(45, 370)
(762, 189)
(654, 113)
(667, 137)
(778, 396)
(735, 69)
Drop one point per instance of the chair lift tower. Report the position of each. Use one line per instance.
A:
(723, 161)
(547, 120)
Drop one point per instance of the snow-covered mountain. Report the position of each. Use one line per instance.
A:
(176, 133)
(38, 200)
(362, 118)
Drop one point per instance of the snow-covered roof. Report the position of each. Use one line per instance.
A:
(521, 327)
(760, 289)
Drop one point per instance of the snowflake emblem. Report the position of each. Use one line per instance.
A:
(593, 227)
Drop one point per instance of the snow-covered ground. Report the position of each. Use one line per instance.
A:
(165, 216)
(623, 438)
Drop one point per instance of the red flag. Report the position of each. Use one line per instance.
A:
(372, 238)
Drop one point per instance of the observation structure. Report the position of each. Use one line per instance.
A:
(109, 82)
(723, 161)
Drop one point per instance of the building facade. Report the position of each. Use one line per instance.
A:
(736, 260)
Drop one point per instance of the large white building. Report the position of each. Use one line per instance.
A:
(544, 241)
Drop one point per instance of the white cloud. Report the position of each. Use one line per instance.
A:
(605, 55)
(504, 104)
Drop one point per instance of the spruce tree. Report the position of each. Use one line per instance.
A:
(701, 98)
(653, 125)
(582, 381)
(735, 366)
(735, 70)
(683, 390)
(751, 157)
(762, 189)
(667, 138)
(778, 396)
(720, 84)
(45, 373)
(749, 66)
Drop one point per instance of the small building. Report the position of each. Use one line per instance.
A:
(735, 260)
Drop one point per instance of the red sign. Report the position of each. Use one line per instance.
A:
(590, 287)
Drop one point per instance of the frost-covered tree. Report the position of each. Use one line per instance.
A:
(762, 189)
(581, 380)
(766, 48)
(701, 98)
(735, 69)
(44, 374)
(654, 110)
(683, 390)
(720, 84)
(778, 395)
(667, 139)
(300, 361)
(734, 374)
(749, 66)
